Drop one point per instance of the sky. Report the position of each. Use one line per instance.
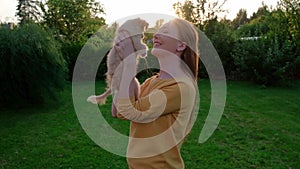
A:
(117, 9)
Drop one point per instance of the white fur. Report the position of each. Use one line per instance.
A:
(135, 28)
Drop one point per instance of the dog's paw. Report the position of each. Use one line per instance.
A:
(92, 99)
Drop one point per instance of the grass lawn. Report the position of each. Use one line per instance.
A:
(260, 128)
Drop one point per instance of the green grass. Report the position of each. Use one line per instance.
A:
(260, 128)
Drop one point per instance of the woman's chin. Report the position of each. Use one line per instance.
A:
(154, 51)
(159, 52)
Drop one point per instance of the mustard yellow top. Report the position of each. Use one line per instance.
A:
(160, 120)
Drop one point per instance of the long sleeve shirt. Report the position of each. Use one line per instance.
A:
(160, 119)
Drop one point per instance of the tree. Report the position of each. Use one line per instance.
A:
(31, 68)
(292, 13)
(72, 23)
(240, 19)
(28, 10)
(158, 24)
(291, 9)
(73, 20)
(261, 12)
(273, 58)
(257, 25)
(203, 14)
(220, 34)
(200, 11)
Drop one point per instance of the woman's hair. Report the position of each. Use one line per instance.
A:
(189, 35)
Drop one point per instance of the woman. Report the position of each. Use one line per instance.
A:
(162, 116)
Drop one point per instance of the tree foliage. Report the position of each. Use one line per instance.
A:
(200, 11)
(261, 12)
(73, 20)
(240, 19)
(220, 34)
(258, 24)
(291, 9)
(263, 48)
(266, 61)
(31, 66)
(204, 14)
(28, 10)
(273, 57)
(72, 23)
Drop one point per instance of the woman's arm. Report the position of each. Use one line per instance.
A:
(135, 89)
(172, 99)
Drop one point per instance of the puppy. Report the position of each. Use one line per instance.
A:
(135, 29)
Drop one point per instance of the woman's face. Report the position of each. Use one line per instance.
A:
(166, 39)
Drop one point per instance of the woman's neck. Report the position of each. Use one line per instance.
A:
(170, 67)
(164, 75)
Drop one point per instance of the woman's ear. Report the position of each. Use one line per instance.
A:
(181, 47)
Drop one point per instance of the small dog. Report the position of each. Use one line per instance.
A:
(135, 28)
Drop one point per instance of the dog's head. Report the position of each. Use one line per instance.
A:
(136, 28)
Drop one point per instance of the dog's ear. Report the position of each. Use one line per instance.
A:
(143, 24)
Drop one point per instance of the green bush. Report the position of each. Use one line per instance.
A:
(70, 52)
(91, 51)
(266, 60)
(221, 36)
(31, 66)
